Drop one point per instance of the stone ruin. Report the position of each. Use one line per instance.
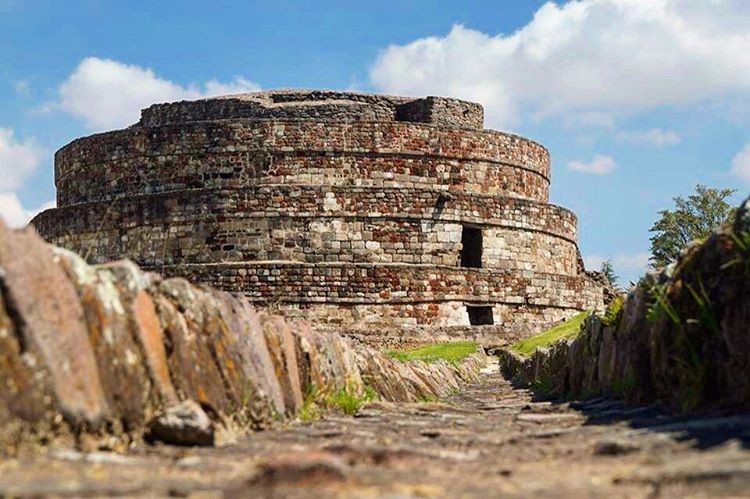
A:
(372, 214)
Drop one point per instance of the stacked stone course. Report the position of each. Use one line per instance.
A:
(330, 201)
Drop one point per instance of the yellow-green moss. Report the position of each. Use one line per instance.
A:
(568, 329)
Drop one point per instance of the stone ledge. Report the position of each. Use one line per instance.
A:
(391, 284)
(319, 201)
(299, 135)
(195, 169)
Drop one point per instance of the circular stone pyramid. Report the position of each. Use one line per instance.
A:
(370, 212)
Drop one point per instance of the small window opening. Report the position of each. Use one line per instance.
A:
(471, 251)
(480, 316)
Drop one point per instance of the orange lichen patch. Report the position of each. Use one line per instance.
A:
(119, 357)
(281, 347)
(52, 324)
(151, 337)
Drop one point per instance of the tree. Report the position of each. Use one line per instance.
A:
(692, 218)
(609, 272)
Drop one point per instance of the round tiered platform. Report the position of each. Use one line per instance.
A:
(362, 209)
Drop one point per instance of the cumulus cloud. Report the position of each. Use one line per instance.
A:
(14, 213)
(586, 55)
(741, 164)
(599, 165)
(655, 137)
(237, 86)
(108, 94)
(18, 159)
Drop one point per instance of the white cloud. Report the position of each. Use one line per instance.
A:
(638, 261)
(741, 164)
(237, 86)
(589, 119)
(18, 159)
(599, 165)
(594, 262)
(656, 137)
(13, 212)
(108, 94)
(587, 55)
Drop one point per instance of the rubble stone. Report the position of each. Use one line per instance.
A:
(185, 423)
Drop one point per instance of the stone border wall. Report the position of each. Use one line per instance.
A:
(95, 356)
(681, 337)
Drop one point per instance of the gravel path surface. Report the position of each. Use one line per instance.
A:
(489, 440)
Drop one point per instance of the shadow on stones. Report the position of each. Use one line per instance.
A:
(703, 430)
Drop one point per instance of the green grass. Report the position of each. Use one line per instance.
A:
(612, 313)
(310, 410)
(349, 402)
(450, 352)
(346, 399)
(568, 329)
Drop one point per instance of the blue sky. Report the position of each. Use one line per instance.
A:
(637, 100)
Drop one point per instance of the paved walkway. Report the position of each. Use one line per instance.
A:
(490, 440)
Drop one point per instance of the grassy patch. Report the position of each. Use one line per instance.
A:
(451, 352)
(612, 313)
(348, 401)
(310, 410)
(568, 329)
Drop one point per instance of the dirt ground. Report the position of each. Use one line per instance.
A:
(489, 440)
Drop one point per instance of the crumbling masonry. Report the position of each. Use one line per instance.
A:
(368, 212)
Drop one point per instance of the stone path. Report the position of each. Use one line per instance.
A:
(487, 441)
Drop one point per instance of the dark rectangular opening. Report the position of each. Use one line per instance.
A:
(471, 250)
(480, 316)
